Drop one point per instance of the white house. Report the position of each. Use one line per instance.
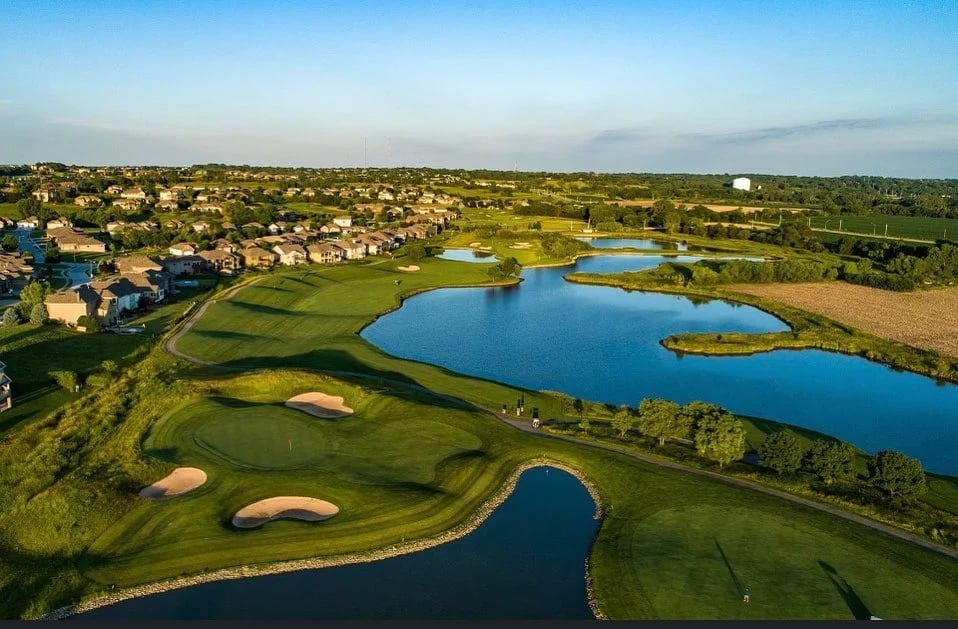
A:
(742, 183)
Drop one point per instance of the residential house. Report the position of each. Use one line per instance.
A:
(114, 189)
(170, 194)
(168, 205)
(343, 221)
(182, 249)
(46, 194)
(184, 265)
(223, 244)
(88, 200)
(153, 285)
(201, 226)
(128, 265)
(68, 306)
(118, 292)
(15, 273)
(291, 255)
(351, 250)
(31, 222)
(127, 204)
(325, 253)
(57, 223)
(68, 239)
(173, 224)
(6, 389)
(257, 257)
(330, 229)
(221, 261)
(136, 193)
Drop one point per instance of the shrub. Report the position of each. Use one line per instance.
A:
(69, 380)
(38, 314)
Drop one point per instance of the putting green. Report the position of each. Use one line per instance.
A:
(369, 448)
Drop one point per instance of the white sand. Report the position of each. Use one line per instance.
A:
(410, 268)
(474, 244)
(319, 404)
(179, 481)
(293, 507)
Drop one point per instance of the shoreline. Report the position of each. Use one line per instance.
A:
(459, 531)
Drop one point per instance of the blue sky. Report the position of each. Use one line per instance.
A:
(818, 88)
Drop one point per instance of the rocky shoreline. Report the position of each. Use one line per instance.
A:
(388, 552)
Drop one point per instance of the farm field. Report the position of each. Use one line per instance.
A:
(918, 227)
(924, 319)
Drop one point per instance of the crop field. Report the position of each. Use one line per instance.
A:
(924, 319)
(917, 227)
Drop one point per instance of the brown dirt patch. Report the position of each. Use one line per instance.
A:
(925, 319)
(177, 483)
(292, 507)
(320, 405)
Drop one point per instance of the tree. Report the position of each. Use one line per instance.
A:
(661, 419)
(32, 294)
(578, 406)
(38, 314)
(415, 251)
(782, 452)
(10, 243)
(720, 437)
(109, 366)
(897, 474)
(622, 420)
(10, 317)
(830, 460)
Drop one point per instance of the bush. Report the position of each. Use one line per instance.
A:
(10, 317)
(38, 314)
(69, 380)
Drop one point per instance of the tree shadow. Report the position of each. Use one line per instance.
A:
(735, 580)
(855, 604)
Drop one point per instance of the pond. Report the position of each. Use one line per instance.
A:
(603, 344)
(526, 561)
(644, 244)
(467, 255)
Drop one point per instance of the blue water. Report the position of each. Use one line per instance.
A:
(527, 561)
(601, 343)
(467, 255)
(634, 243)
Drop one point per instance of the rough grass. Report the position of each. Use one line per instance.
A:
(923, 319)
(919, 227)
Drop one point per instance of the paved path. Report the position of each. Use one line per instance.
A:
(526, 426)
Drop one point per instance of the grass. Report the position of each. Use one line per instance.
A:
(661, 522)
(918, 227)
(414, 460)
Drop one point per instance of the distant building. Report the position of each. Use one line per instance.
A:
(742, 183)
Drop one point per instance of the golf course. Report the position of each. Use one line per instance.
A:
(420, 453)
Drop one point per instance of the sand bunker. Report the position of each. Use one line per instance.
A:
(410, 268)
(474, 244)
(486, 248)
(521, 245)
(180, 481)
(294, 507)
(320, 405)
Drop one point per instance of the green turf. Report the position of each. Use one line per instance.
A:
(919, 227)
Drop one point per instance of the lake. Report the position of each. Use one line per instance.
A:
(602, 343)
(526, 561)
(467, 255)
(634, 243)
